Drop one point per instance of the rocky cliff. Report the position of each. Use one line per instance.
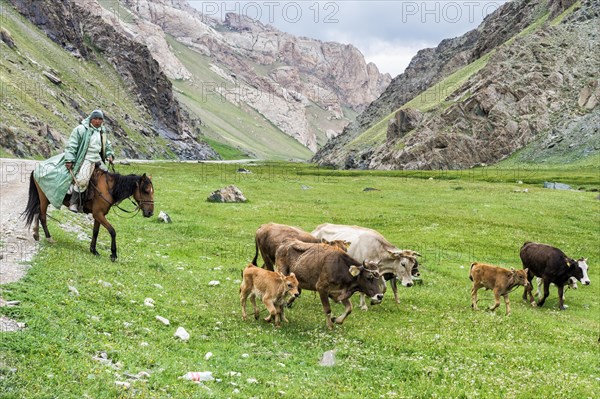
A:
(279, 75)
(527, 74)
(80, 27)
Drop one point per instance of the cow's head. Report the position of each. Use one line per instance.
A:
(519, 277)
(578, 269)
(291, 285)
(404, 263)
(367, 276)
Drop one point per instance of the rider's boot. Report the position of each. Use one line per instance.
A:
(74, 203)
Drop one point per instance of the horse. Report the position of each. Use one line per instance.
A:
(105, 190)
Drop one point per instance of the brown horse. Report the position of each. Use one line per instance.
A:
(106, 189)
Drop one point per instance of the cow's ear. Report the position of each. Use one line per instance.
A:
(347, 244)
(354, 271)
(395, 254)
(512, 269)
(292, 275)
(526, 270)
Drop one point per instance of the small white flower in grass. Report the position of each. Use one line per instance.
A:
(149, 302)
(281, 364)
(245, 355)
(208, 355)
(235, 391)
(166, 322)
(160, 287)
(235, 374)
(252, 381)
(213, 283)
(144, 343)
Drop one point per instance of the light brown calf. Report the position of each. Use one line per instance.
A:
(501, 280)
(272, 287)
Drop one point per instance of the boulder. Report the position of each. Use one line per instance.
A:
(227, 194)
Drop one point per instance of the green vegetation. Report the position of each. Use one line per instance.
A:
(28, 96)
(226, 152)
(430, 345)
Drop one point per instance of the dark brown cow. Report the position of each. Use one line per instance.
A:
(273, 288)
(331, 272)
(501, 280)
(271, 235)
(554, 267)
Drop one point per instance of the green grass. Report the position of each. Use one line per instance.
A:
(430, 345)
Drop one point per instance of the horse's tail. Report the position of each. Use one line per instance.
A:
(33, 203)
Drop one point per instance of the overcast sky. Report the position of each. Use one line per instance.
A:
(388, 33)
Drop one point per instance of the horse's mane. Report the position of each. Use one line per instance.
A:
(124, 186)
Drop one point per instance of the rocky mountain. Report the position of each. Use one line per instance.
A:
(527, 77)
(305, 88)
(49, 87)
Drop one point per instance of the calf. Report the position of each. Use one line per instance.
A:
(554, 267)
(272, 287)
(331, 272)
(502, 281)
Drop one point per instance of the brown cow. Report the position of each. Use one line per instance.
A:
(495, 278)
(272, 287)
(271, 235)
(331, 272)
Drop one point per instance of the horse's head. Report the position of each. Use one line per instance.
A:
(144, 195)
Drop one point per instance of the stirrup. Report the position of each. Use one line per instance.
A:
(74, 208)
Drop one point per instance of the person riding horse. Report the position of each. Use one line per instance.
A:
(88, 145)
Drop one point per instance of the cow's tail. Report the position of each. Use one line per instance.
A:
(470, 271)
(255, 254)
(32, 210)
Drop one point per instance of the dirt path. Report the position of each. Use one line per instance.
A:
(17, 246)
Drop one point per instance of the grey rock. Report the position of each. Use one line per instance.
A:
(227, 194)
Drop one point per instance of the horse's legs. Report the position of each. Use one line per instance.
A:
(42, 218)
(101, 218)
(95, 237)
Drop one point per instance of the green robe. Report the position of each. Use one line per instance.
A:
(52, 175)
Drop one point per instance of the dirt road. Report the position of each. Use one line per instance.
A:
(17, 246)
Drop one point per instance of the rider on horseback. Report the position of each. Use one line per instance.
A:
(87, 146)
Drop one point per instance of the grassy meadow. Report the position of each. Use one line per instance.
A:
(431, 345)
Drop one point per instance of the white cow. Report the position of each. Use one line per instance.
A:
(369, 245)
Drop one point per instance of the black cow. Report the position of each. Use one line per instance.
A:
(554, 267)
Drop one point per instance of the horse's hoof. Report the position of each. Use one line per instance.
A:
(50, 240)
(36, 237)
(113, 258)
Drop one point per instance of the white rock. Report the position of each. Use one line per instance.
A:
(166, 322)
(208, 355)
(123, 384)
(73, 290)
(149, 302)
(213, 283)
(160, 287)
(328, 359)
(182, 334)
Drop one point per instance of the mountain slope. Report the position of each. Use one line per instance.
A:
(477, 99)
(304, 88)
(96, 68)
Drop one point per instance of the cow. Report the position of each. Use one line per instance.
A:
(554, 267)
(271, 235)
(369, 245)
(272, 287)
(331, 272)
(501, 280)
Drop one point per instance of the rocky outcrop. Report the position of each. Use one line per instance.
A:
(279, 75)
(529, 87)
(78, 24)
